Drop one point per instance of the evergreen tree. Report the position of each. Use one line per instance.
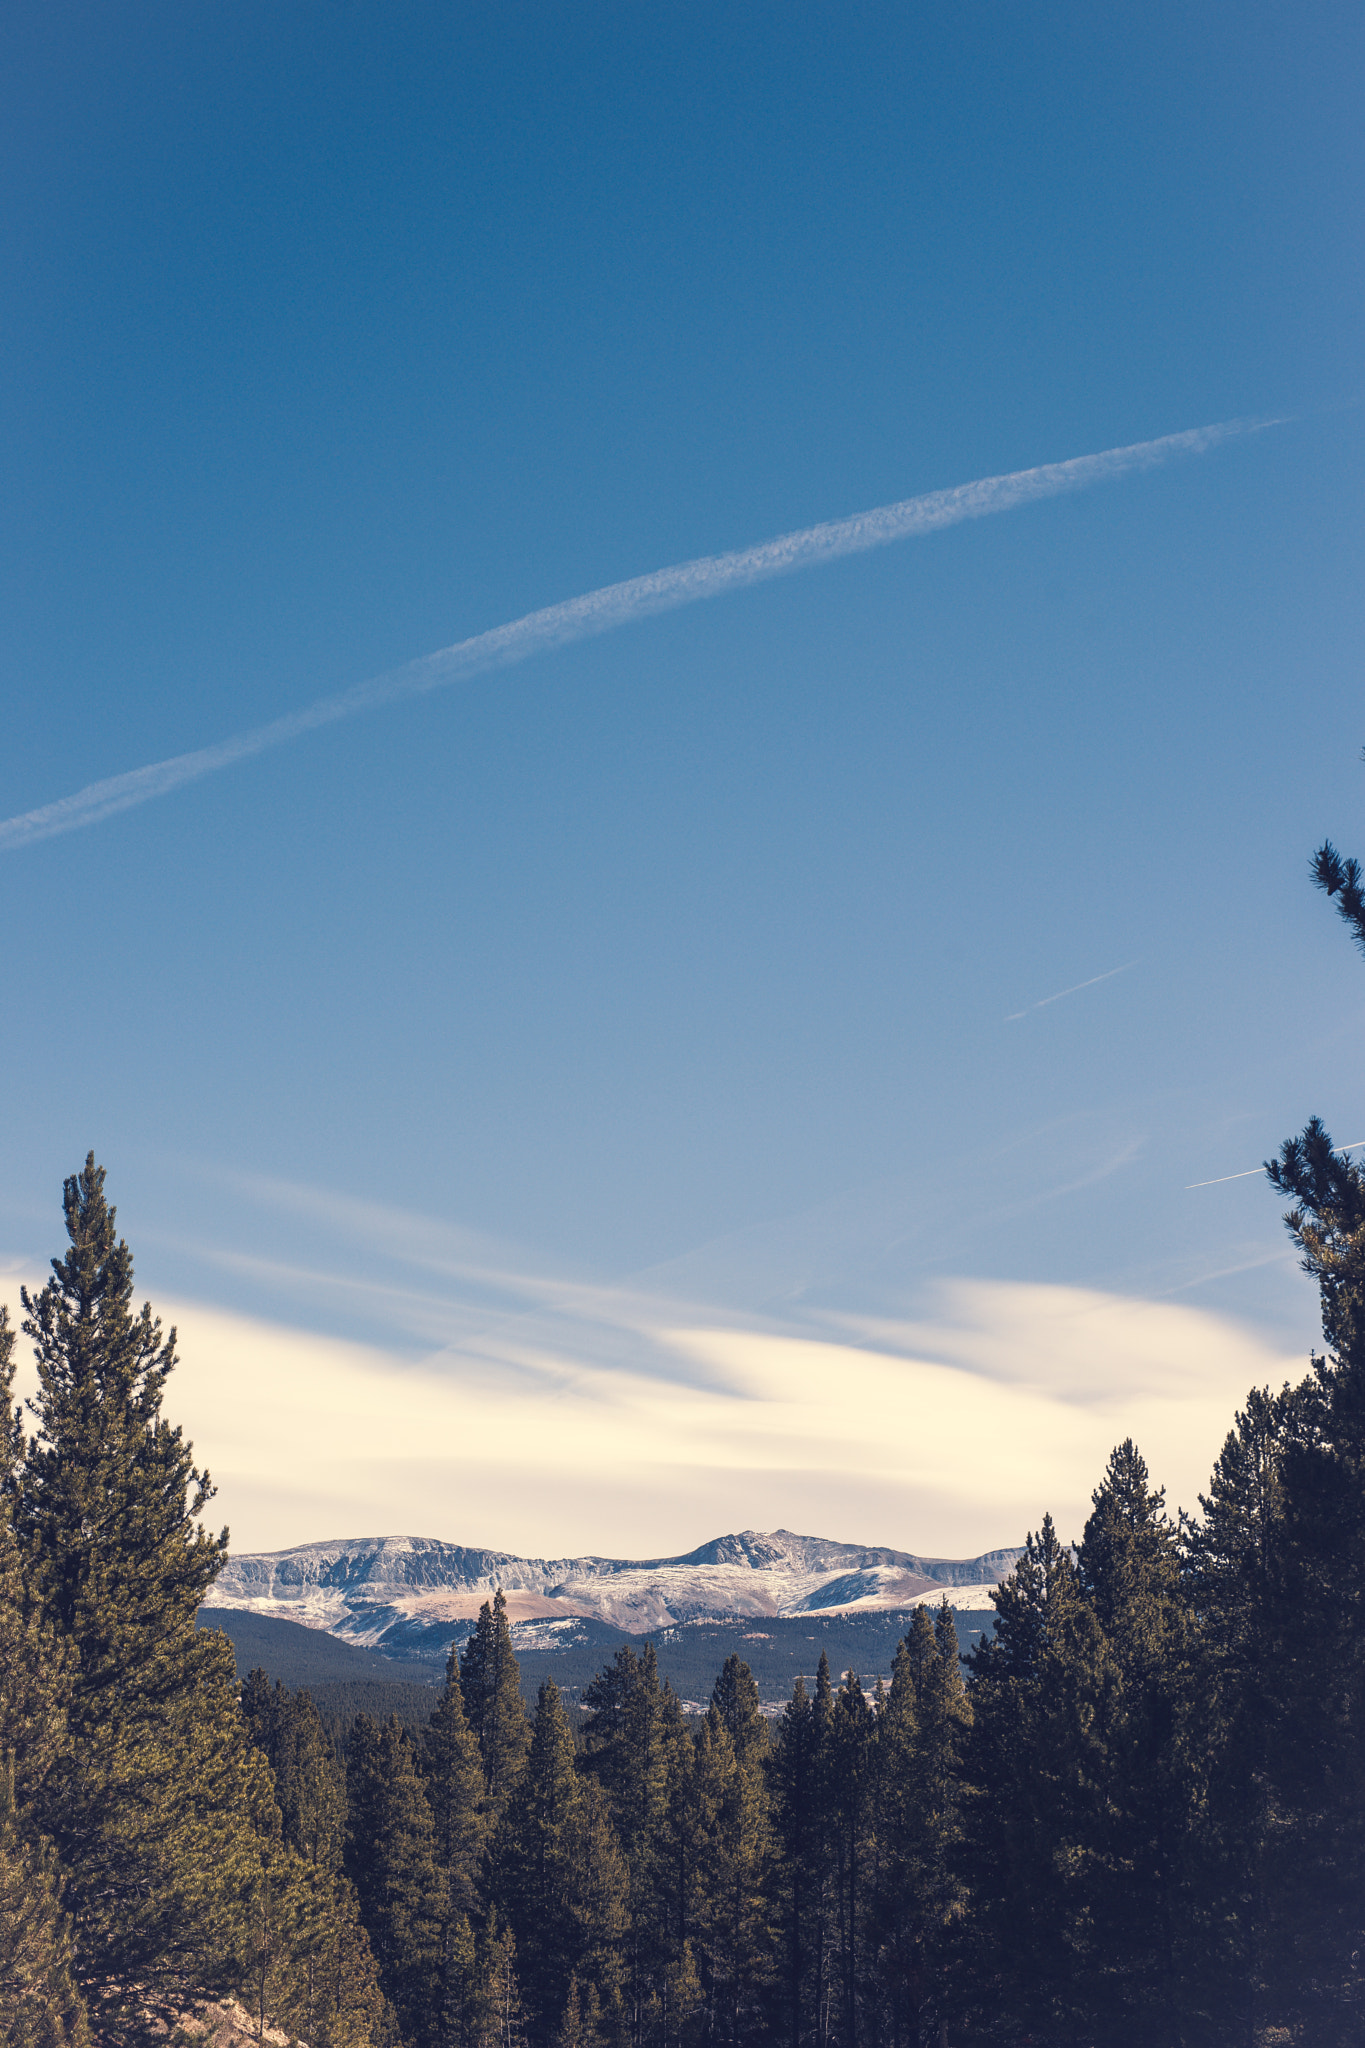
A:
(729, 1818)
(625, 1750)
(1150, 1757)
(1033, 1769)
(680, 1856)
(40, 2006)
(490, 1681)
(391, 1860)
(34, 1684)
(799, 1837)
(919, 1898)
(900, 1921)
(311, 1964)
(154, 1806)
(453, 1771)
(307, 1780)
(1315, 1635)
(1235, 1567)
(850, 1777)
(483, 2004)
(561, 1877)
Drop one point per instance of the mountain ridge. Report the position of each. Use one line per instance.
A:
(403, 1593)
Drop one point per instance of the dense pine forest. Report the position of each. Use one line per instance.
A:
(1135, 1814)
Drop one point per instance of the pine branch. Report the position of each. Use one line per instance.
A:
(1338, 877)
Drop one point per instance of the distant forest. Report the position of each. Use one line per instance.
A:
(1133, 1816)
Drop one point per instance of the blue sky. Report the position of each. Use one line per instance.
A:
(675, 965)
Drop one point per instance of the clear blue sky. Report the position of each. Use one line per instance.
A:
(336, 333)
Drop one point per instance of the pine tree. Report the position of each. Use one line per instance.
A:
(849, 1807)
(490, 1682)
(625, 1751)
(40, 2006)
(34, 1681)
(900, 1923)
(153, 1808)
(560, 1876)
(311, 1963)
(732, 1948)
(1315, 1633)
(391, 1860)
(795, 1781)
(1033, 1768)
(453, 1771)
(919, 1898)
(680, 1852)
(1235, 1566)
(1150, 1754)
(308, 1785)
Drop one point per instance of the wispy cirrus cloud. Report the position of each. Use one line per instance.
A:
(416, 1377)
(617, 604)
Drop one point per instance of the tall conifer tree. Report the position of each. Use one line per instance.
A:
(490, 1682)
(155, 1808)
(626, 1752)
(453, 1770)
(561, 1877)
(40, 2006)
(391, 1859)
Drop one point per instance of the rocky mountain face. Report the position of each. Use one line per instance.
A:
(395, 1592)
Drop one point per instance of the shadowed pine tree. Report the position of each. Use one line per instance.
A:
(1033, 1768)
(897, 1915)
(453, 1771)
(392, 1862)
(308, 1784)
(40, 2006)
(800, 1836)
(153, 1808)
(490, 1682)
(1314, 1725)
(1234, 1557)
(1152, 1785)
(920, 1899)
(625, 1750)
(680, 1851)
(33, 1666)
(851, 1779)
(730, 1817)
(312, 1965)
(483, 2006)
(561, 1878)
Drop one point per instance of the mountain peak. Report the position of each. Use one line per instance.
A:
(413, 1591)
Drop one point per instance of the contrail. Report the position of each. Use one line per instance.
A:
(1248, 1171)
(602, 610)
(1075, 989)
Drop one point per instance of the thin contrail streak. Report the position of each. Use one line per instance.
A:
(602, 610)
(1075, 989)
(1248, 1171)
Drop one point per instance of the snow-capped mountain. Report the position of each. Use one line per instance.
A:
(406, 1592)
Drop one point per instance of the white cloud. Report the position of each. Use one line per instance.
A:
(611, 1421)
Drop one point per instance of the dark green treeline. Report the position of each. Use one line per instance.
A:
(1136, 1816)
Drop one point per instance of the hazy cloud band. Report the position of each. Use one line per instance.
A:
(599, 611)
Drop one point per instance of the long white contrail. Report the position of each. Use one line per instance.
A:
(614, 605)
(1074, 990)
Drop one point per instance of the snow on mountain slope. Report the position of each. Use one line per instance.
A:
(386, 1590)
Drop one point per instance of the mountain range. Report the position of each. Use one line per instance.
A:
(410, 1595)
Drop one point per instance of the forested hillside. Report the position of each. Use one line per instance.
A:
(1134, 1814)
